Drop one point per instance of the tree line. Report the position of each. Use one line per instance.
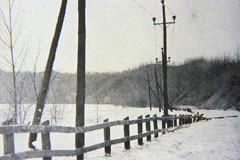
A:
(191, 83)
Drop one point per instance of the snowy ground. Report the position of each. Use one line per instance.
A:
(215, 139)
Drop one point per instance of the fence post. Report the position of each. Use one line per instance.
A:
(194, 118)
(175, 120)
(8, 140)
(169, 122)
(184, 120)
(190, 119)
(148, 127)
(107, 138)
(163, 124)
(140, 130)
(46, 144)
(180, 120)
(197, 117)
(155, 125)
(126, 133)
(172, 120)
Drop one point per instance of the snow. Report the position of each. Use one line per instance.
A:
(214, 139)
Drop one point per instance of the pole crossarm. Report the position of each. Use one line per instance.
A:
(160, 62)
(162, 23)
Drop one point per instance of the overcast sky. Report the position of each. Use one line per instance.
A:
(120, 33)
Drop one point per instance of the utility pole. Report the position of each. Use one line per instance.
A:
(164, 57)
(81, 76)
(149, 91)
(157, 86)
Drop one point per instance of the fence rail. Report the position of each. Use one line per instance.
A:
(46, 152)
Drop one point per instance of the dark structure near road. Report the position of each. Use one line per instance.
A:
(164, 58)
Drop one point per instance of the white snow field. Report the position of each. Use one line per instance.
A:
(217, 139)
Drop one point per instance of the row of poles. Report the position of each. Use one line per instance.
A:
(165, 60)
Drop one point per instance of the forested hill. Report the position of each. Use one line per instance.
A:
(192, 83)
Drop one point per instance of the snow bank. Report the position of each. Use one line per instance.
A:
(215, 139)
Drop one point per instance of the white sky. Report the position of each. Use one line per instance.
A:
(120, 33)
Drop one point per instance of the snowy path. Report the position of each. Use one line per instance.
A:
(209, 140)
(217, 139)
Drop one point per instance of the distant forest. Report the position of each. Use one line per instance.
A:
(191, 83)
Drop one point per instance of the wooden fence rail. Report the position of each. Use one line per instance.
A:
(46, 153)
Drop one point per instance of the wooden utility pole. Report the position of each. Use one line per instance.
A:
(164, 57)
(164, 63)
(47, 73)
(80, 98)
(157, 87)
(149, 91)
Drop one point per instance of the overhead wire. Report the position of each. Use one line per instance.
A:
(173, 30)
(143, 8)
(172, 39)
(169, 10)
(155, 32)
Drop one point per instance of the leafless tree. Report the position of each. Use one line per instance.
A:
(97, 102)
(56, 113)
(9, 42)
(56, 93)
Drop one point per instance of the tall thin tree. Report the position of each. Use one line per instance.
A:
(80, 98)
(9, 43)
(47, 73)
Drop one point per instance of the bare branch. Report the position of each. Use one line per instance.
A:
(21, 91)
(23, 60)
(9, 90)
(4, 42)
(5, 21)
(4, 33)
(15, 41)
(35, 73)
(6, 59)
(11, 4)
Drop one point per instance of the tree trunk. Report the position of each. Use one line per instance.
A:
(80, 98)
(11, 47)
(47, 73)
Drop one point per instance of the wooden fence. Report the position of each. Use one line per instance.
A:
(169, 124)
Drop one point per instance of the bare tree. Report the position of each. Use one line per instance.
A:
(7, 40)
(47, 73)
(97, 112)
(56, 113)
(56, 94)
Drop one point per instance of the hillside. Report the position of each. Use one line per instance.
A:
(196, 82)
(225, 98)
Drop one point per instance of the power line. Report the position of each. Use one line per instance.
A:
(172, 39)
(170, 10)
(155, 34)
(143, 8)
